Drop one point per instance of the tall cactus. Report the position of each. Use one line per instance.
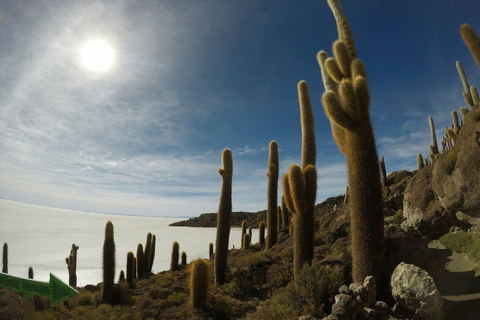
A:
(354, 137)
(5, 258)
(71, 261)
(272, 194)
(108, 264)
(467, 96)
(420, 163)
(471, 40)
(309, 149)
(147, 253)
(224, 218)
(261, 233)
(152, 252)
(199, 284)
(300, 189)
(130, 261)
(140, 261)
(434, 144)
(30, 273)
(175, 256)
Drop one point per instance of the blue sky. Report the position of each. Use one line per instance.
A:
(190, 78)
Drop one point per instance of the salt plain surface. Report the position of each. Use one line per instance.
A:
(41, 237)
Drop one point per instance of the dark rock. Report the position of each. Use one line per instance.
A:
(91, 288)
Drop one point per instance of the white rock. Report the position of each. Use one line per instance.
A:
(414, 289)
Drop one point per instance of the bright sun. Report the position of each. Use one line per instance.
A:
(97, 55)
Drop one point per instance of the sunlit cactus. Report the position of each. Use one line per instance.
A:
(346, 104)
(434, 148)
(224, 218)
(175, 256)
(456, 126)
(199, 284)
(420, 163)
(108, 264)
(471, 40)
(273, 167)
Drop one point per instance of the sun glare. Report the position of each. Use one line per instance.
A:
(97, 55)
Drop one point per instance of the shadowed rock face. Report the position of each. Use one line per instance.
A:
(456, 175)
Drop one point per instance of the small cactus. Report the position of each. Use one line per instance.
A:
(345, 200)
(384, 173)
(456, 126)
(175, 256)
(140, 261)
(71, 261)
(130, 272)
(210, 251)
(147, 253)
(261, 233)
(152, 252)
(5, 258)
(199, 284)
(420, 163)
(244, 230)
(184, 259)
(108, 264)
(246, 241)
(121, 277)
(224, 218)
(434, 145)
(30, 273)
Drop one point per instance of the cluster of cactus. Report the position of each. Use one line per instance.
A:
(5, 258)
(199, 284)
(346, 103)
(108, 264)
(71, 261)
(273, 167)
(224, 218)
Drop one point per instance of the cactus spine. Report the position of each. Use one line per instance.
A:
(175, 256)
(71, 261)
(147, 253)
(210, 251)
(244, 230)
(261, 233)
(184, 259)
(30, 273)
(199, 284)
(471, 40)
(130, 272)
(357, 142)
(140, 261)
(5, 258)
(272, 195)
(300, 189)
(108, 264)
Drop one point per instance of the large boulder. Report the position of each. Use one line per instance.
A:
(456, 173)
(416, 294)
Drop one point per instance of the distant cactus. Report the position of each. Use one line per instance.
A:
(175, 256)
(272, 195)
(285, 215)
(5, 258)
(140, 261)
(130, 272)
(335, 208)
(71, 261)
(384, 173)
(434, 137)
(184, 259)
(244, 230)
(147, 253)
(471, 40)
(246, 241)
(301, 189)
(420, 163)
(347, 107)
(261, 233)
(199, 284)
(108, 264)
(210, 251)
(121, 277)
(152, 252)
(30, 273)
(224, 218)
